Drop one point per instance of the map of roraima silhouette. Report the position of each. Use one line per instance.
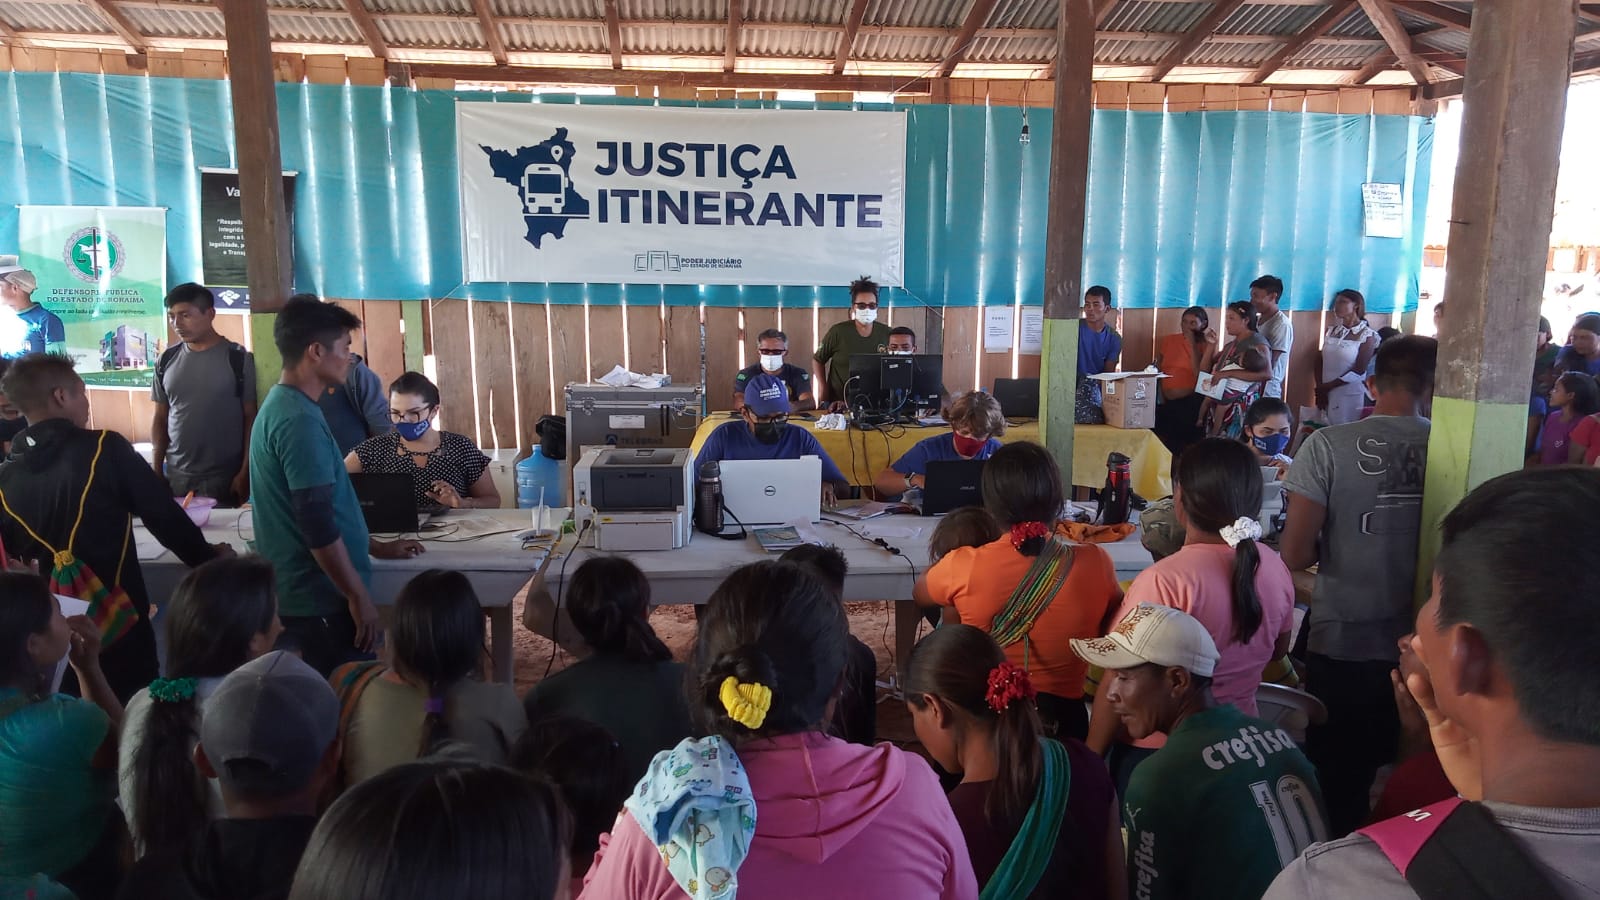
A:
(542, 175)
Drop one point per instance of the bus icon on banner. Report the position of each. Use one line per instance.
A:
(544, 189)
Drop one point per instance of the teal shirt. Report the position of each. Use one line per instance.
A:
(291, 449)
(1220, 810)
(55, 801)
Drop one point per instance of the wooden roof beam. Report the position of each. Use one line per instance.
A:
(1299, 42)
(1394, 34)
(1220, 10)
(614, 33)
(368, 27)
(977, 14)
(764, 81)
(119, 23)
(1102, 9)
(730, 49)
(1587, 63)
(852, 25)
(1436, 13)
(1382, 62)
(491, 30)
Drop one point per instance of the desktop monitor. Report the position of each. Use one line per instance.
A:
(895, 385)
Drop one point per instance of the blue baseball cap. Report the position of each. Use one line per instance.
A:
(766, 395)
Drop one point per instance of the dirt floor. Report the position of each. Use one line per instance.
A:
(873, 623)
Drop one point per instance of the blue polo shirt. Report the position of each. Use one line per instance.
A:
(1096, 349)
(936, 449)
(44, 329)
(733, 440)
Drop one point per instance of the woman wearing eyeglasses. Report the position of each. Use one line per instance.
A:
(863, 333)
(448, 468)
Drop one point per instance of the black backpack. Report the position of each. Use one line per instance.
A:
(237, 358)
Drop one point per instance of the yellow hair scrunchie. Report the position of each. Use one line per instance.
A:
(746, 704)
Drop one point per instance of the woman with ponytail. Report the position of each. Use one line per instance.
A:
(1033, 590)
(767, 804)
(1039, 816)
(1239, 590)
(430, 694)
(628, 684)
(223, 614)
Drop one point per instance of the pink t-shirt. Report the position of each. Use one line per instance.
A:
(1199, 580)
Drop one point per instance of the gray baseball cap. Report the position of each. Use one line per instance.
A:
(266, 728)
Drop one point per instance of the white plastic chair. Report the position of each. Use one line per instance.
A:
(1289, 709)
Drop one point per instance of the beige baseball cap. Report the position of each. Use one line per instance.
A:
(1153, 634)
(11, 270)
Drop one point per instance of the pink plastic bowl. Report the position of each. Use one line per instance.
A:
(199, 509)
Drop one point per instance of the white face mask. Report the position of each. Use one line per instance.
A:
(899, 352)
(771, 362)
(866, 316)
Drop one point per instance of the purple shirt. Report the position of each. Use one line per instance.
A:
(1554, 436)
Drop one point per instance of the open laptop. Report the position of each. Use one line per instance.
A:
(389, 502)
(1018, 397)
(952, 484)
(772, 491)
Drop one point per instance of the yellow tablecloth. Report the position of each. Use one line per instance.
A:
(861, 455)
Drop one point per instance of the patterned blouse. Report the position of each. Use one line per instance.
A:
(456, 461)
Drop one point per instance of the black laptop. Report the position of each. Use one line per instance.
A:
(389, 502)
(952, 484)
(1019, 397)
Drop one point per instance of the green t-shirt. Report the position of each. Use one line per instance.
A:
(55, 801)
(843, 341)
(291, 449)
(1220, 810)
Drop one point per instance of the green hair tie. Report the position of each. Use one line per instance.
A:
(172, 690)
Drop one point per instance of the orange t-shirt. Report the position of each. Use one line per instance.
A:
(978, 581)
(1177, 363)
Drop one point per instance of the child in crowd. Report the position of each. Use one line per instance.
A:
(58, 754)
(430, 694)
(855, 716)
(1238, 589)
(440, 828)
(973, 711)
(222, 615)
(968, 526)
(587, 766)
(776, 808)
(628, 684)
(1573, 398)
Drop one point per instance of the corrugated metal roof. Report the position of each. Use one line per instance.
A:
(673, 9)
(693, 39)
(832, 12)
(1448, 40)
(1123, 53)
(454, 34)
(1270, 18)
(1232, 53)
(528, 34)
(1323, 55)
(757, 41)
(542, 9)
(72, 19)
(1011, 49)
(1139, 15)
(187, 23)
(1025, 14)
(286, 26)
(1356, 24)
(440, 7)
(918, 13)
(312, 4)
(896, 47)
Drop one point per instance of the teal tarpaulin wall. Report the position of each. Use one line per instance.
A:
(1184, 208)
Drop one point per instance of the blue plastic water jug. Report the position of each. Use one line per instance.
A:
(535, 474)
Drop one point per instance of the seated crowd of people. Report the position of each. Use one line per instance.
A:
(1075, 737)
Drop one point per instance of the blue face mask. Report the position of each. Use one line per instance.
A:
(1272, 444)
(412, 431)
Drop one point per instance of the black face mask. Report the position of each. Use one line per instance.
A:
(770, 432)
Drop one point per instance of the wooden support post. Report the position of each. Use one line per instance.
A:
(1063, 262)
(1514, 106)
(268, 244)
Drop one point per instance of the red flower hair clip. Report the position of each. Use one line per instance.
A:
(1023, 531)
(1008, 683)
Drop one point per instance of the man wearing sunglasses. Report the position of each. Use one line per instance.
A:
(765, 433)
(863, 333)
(773, 346)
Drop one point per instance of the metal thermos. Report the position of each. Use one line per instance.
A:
(1116, 496)
(708, 498)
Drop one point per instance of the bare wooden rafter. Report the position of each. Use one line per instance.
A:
(491, 30)
(1335, 14)
(977, 14)
(730, 49)
(663, 78)
(614, 33)
(119, 23)
(1381, 62)
(1394, 34)
(852, 25)
(1196, 35)
(368, 27)
(1437, 13)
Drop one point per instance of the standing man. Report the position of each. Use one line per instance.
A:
(1099, 349)
(67, 489)
(205, 396)
(862, 334)
(1355, 510)
(773, 347)
(45, 333)
(308, 522)
(358, 407)
(1265, 294)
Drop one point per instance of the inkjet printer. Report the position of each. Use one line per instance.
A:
(641, 497)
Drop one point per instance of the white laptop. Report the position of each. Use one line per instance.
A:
(772, 491)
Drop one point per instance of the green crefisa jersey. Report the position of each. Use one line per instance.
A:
(1220, 810)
